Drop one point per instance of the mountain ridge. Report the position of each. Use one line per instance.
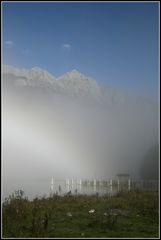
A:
(70, 83)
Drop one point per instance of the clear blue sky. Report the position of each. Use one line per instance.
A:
(115, 43)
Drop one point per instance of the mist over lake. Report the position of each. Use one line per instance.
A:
(71, 127)
(79, 93)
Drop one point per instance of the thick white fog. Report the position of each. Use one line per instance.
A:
(72, 127)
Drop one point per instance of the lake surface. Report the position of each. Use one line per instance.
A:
(43, 187)
(40, 187)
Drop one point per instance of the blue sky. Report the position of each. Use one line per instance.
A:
(115, 43)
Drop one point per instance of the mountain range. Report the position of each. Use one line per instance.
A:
(72, 84)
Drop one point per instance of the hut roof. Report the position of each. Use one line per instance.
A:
(123, 175)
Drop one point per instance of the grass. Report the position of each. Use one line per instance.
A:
(128, 214)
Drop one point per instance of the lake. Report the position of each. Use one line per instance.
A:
(40, 187)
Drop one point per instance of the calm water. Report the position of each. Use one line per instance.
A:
(41, 187)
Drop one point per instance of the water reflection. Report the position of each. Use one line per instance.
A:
(46, 187)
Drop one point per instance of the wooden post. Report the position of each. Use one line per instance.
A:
(52, 188)
(80, 185)
(72, 183)
(67, 185)
(94, 182)
(94, 185)
(52, 184)
(111, 185)
(118, 185)
(67, 181)
(129, 184)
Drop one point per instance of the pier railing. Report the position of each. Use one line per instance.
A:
(110, 184)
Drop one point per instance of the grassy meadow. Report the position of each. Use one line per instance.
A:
(127, 214)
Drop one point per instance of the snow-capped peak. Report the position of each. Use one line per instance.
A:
(41, 74)
(38, 69)
(34, 74)
(71, 83)
(77, 83)
(74, 75)
(75, 71)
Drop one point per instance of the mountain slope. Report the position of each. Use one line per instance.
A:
(71, 83)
